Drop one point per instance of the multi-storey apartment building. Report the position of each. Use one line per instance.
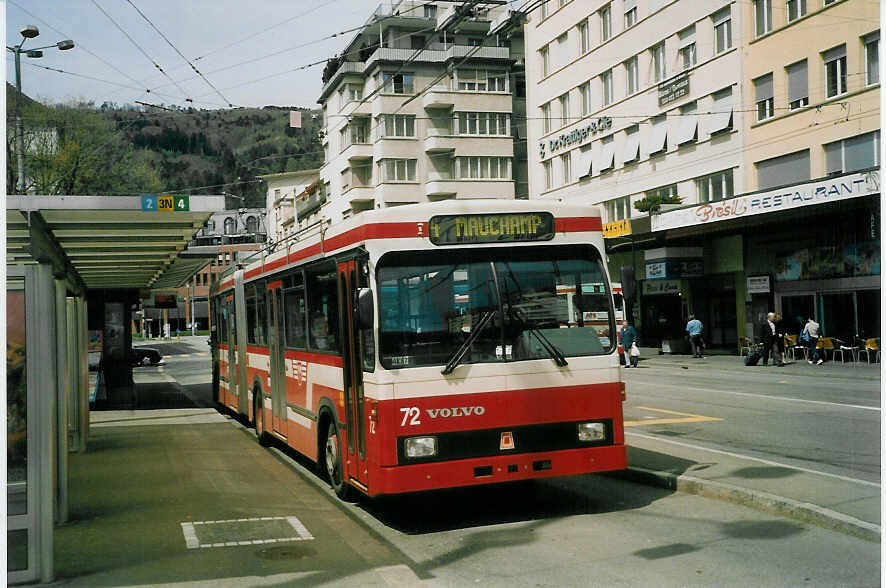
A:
(723, 105)
(283, 191)
(420, 106)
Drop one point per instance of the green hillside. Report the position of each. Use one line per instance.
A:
(129, 149)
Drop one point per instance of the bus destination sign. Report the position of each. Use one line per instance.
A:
(468, 229)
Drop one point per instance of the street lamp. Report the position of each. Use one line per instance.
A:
(28, 32)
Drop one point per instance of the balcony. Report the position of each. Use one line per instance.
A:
(399, 193)
(439, 96)
(470, 189)
(309, 204)
(442, 142)
(357, 152)
(437, 55)
(359, 194)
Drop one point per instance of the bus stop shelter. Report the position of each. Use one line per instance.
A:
(60, 252)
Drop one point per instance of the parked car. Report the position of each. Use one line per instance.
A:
(144, 356)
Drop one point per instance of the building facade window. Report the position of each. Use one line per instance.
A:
(618, 209)
(792, 168)
(605, 23)
(763, 97)
(687, 132)
(545, 57)
(631, 148)
(606, 80)
(585, 92)
(483, 123)
(483, 168)
(396, 170)
(715, 187)
(564, 109)
(722, 30)
(872, 58)
(687, 47)
(545, 9)
(251, 224)
(663, 192)
(230, 226)
(795, 9)
(481, 80)
(546, 167)
(398, 83)
(762, 17)
(562, 50)
(798, 85)
(632, 75)
(835, 71)
(396, 125)
(852, 154)
(658, 62)
(430, 11)
(566, 167)
(584, 37)
(630, 13)
(546, 117)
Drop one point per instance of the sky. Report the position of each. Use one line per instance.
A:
(249, 51)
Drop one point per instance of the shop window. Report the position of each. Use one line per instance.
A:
(852, 154)
(715, 187)
(792, 168)
(798, 85)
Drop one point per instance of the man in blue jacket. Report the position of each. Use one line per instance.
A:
(628, 338)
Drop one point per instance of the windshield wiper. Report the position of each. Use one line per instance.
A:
(552, 350)
(456, 357)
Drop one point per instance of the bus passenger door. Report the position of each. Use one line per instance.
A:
(230, 325)
(352, 374)
(275, 348)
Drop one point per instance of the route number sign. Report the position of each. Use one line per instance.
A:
(165, 203)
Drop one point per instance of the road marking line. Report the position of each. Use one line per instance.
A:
(768, 397)
(687, 418)
(757, 459)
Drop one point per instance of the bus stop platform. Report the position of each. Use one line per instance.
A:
(186, 496)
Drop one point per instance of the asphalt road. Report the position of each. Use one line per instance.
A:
(601, 531)
(792, 417)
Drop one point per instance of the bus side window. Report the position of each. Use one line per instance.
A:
(250, 315)
(294, 305)
(322, 288)
(367, 336)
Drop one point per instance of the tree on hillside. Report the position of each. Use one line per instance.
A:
(76, 151)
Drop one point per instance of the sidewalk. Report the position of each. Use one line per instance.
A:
(842, 504)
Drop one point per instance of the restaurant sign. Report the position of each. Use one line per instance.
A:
(783, 199)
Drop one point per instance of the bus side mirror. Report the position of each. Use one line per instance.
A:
(365, 309)
(628, 283)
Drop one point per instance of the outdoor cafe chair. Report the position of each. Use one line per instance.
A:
(842, 347)
(870, 347)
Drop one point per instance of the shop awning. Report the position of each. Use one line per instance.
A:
(106, 241)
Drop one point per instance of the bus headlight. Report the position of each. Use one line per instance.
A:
(421, 447)
(591, 431)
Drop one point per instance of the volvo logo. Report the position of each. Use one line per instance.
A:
(458, 411)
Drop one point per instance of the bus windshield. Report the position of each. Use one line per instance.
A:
(493, 305)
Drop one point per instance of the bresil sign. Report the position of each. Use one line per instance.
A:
(780, 200)
(575, 136)
(465, 229)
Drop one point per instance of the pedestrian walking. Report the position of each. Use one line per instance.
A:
(694, 328)
(629, 342)
(811, 333)
(770, 335)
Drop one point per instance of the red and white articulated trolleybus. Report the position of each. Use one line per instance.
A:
(430, 346)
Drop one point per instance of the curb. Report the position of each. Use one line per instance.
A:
(756, 499)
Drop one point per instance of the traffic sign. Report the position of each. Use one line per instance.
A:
(165, 203)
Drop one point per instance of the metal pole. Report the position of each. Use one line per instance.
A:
(19, 131)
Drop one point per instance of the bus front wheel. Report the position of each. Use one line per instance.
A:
(334, 462)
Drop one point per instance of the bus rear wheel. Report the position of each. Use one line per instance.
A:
(334, 463)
